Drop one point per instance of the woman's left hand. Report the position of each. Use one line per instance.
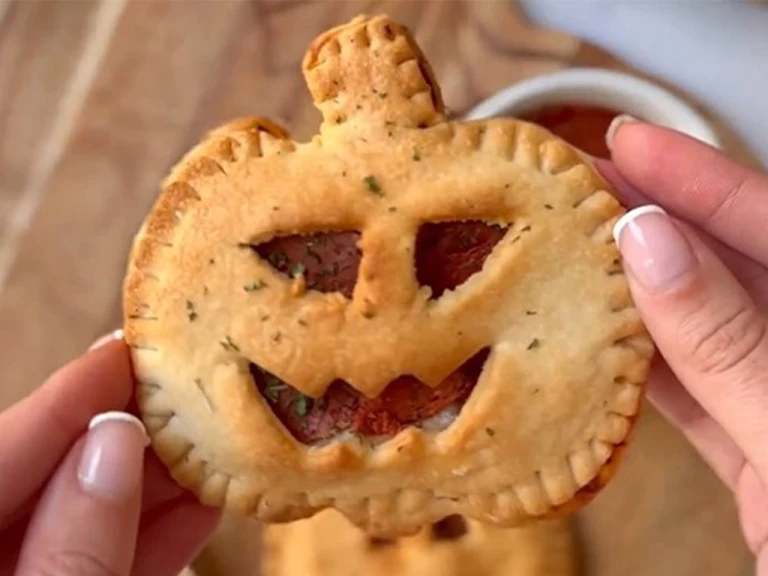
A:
(79, 502)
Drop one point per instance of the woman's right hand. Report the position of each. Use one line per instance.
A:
(698, 270)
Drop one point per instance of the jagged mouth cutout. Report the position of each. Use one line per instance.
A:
(447, 254)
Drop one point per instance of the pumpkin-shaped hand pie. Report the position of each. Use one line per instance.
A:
(403, 319)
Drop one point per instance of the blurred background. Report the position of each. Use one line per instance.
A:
(99, 97)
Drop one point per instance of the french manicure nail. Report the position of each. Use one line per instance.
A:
(613, 127)
(111, 464)
(656, 252)
(106, 339)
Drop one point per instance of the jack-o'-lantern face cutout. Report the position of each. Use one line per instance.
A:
(404, 318)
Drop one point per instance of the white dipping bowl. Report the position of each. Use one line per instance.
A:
(599, 87)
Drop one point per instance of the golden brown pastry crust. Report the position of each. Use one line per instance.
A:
(569, 354)
(328, 545)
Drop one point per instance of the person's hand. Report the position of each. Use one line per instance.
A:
(79, 502)
(698, 271)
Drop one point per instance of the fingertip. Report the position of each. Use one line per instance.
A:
(627, 194)
(111, 463)
(628, 217)
(659, 257)
(615, 126)
(100, 380)
(115, 335)
(116, 416)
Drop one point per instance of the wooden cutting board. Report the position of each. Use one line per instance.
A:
(665, 514)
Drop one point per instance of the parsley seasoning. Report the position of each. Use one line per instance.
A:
(264, 318)
(273, 387)
(416, 155)
(506, 186)
(244, 245)
(312, 253)
(211, 261)
(535, 343)
(301, 405)
(617, 269)
(526, 229)
(229, 345)
(373, 185)
(301, 322)
(531, 312)
(276, 337)
(383, 95)
(298, 270)
(191, 313)
(491, 432)
(277, 259)
(392, 209)
(548, 206)
(331, 269)
(254, 286)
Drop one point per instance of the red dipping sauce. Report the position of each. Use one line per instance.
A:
(580, 125)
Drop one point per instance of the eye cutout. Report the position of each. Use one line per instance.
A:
(342, 410)
(449, 253)
(451, 527)
(329, 261)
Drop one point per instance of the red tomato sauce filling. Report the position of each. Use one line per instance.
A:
(447, 254)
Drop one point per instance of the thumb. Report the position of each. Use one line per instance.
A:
(703, 322)
(86, 522)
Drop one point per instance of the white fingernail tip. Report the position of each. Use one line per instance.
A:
(106, 339)
(614, 126)
(119, 417)
(622, 222)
